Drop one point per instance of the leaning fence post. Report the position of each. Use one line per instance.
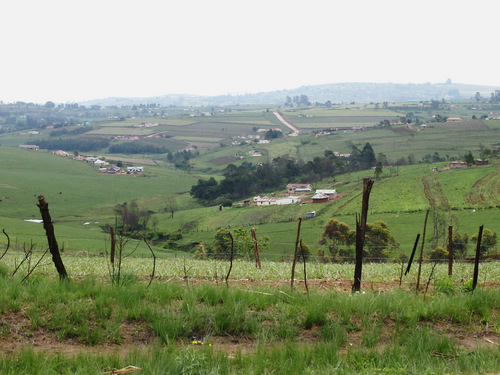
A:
(420, 259)
(296, 253)
(476, 261)
(49, 230)
(410, 261)
(360, 234)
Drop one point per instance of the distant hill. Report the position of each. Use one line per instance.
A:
(346, 92)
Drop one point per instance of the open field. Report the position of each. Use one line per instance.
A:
(399, 199)
(197, 324)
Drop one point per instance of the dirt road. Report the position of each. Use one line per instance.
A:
(286, 123)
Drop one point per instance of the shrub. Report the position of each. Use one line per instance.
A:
(439, 253)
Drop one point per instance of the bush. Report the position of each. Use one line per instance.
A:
(444, 285)
(439, 253)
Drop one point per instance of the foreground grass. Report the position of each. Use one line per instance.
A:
(250, 330)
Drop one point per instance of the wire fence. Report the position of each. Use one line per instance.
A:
(181, 266)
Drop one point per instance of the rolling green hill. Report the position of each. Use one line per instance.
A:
(81, 200)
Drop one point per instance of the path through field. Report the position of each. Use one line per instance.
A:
(286, 123)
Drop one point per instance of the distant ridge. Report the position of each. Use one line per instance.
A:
(346, 92)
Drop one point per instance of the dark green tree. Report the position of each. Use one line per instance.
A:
(378, 170)
(469, 159)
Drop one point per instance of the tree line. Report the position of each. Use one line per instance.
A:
(248, 179)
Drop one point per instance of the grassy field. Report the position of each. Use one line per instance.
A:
(200, 326)
(399, 198)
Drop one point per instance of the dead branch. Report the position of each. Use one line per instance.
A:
(8, 243)
(35, 266)
(27, 255)
(231, 258)
(154, 261)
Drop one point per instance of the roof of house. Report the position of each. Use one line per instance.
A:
(298, 186)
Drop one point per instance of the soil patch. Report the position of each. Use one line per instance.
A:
(224, 160)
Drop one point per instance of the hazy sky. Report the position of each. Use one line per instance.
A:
(68, 50)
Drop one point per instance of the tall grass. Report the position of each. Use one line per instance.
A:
(323, 331)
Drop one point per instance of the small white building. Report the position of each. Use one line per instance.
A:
(264, 201)
(329, 192)
(287, 200)
(100, 162)
(135, 169)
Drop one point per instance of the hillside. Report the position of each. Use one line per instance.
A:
(345, 92)
(398, 198)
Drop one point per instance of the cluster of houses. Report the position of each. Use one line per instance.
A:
(463, 164)
(113, 169)
(105, 167)
(297, 193)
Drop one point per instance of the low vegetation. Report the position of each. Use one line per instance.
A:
(191, 327)
(175, 220)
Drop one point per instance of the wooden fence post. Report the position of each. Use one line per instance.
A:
(410, 261)
(51, 238)
(420, 259)
(360, 234)
(296, 253)
(450, 250)
(476, 261)
(256, 249)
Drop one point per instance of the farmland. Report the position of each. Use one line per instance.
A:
(323, 330)
(196, 324)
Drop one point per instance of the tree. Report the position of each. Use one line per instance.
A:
(469, 159)
(368, 158)
(222, 244)
(488, 240)
(378, 170)
(460, 242)
(439, 253)
(171, 206)
(378, 241)
(335, 233)
(130, 219)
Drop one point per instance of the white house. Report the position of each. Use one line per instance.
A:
(264, 201)
(100, 162)
(287, 200)
(329, 192)
(135, 169)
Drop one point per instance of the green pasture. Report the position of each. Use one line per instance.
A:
(334, 117)
(179, 121)
(492, 124)
(125, 130)
(129, 122)
(197, 139)
(77, 193)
